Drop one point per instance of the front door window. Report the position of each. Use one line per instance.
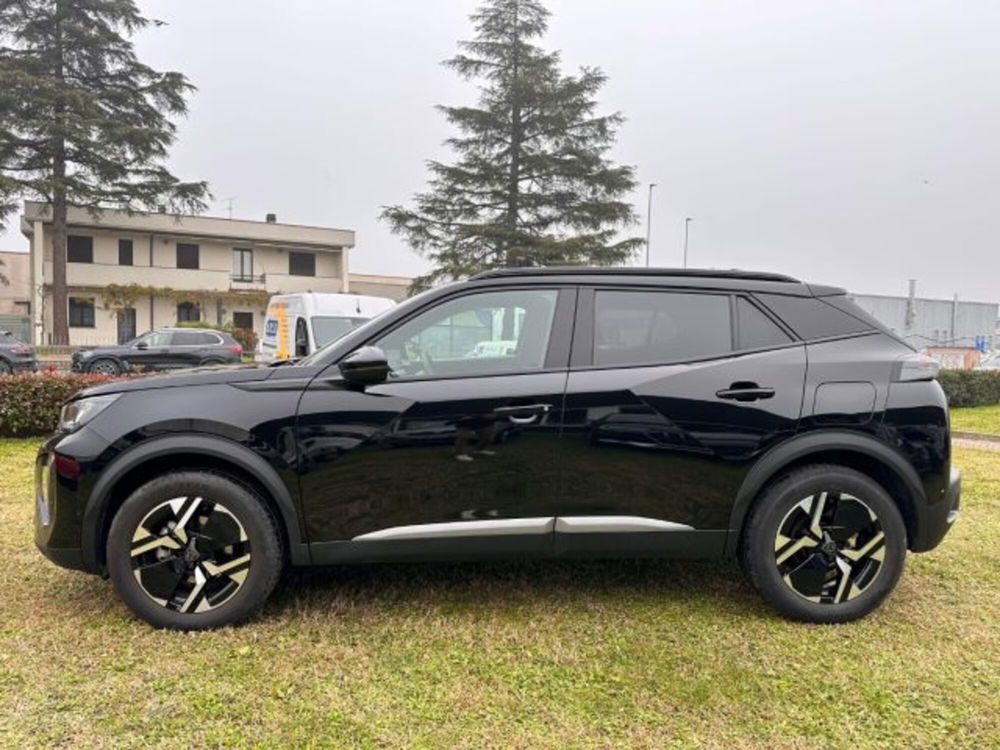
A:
(489, 333)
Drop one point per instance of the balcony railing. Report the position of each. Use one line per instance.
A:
(248, 278)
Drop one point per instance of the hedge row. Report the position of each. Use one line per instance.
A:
(30, 404)
(971, 387)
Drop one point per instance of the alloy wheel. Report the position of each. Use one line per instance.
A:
(829, 547)
(190, 554)
(104, 367)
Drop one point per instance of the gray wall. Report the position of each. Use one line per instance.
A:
(932, 319)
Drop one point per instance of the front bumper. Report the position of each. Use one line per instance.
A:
(61, 499)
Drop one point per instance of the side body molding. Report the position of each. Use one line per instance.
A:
(820, 441)
(94, 515)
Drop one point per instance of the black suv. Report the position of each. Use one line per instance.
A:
(163, 349)
(525, 413)
(15, 356)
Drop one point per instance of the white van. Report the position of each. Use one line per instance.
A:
(298, 324)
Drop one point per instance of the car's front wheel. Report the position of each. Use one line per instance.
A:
(824, 544)
(194, 550)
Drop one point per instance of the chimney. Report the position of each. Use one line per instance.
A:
(272, 219)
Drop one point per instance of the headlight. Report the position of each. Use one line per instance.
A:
(77, 413)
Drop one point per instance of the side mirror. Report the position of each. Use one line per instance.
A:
(367, 366)
(142, 345)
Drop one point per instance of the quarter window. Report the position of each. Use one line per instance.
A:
(478, 334)
(81, 312)
(79, 249)
(757, 331)
(811, 318)
(648, 328)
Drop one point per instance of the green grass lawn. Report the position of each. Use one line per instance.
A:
(985, 419)
(648, 654)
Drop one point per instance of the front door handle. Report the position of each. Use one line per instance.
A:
(525, 414)
(745, 392)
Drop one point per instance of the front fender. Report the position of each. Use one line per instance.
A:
(96, 510)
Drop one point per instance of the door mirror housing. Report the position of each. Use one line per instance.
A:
(142, 345)
(366, 366)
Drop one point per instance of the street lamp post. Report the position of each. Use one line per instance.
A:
(687, 224)
(649, 221)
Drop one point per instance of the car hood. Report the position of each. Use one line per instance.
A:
(197, 376)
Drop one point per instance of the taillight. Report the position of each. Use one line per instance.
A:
(22, 351)
(236, 349)
(912, 367)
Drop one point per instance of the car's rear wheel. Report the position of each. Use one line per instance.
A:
(194, 550)
(5, 368)
(824, 544)
(104, 367)
(213, 362)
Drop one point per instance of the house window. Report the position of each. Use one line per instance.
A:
(243, 320)
(187, 255)
(188, 312)
(242, 264)
(81, 312)
(79, 249)
(124, 252)
(301, 264)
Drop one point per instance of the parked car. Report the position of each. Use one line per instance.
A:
(163, 349)
(642, 413)
(15, 356)
(297, 325)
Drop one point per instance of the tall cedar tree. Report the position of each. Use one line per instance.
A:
(532, 185)
(82, 121)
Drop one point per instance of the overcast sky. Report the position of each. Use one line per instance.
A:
(849, 142)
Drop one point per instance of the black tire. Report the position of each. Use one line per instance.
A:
(212, 363)
(215, 586)
(104, 366)
(5, 368)
(836, 576)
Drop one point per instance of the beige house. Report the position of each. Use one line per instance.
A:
(15, 295)
(127, 274)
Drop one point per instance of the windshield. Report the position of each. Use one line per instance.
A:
(328, 329)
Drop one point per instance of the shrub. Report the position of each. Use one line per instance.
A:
(30, 404)
(971, 387)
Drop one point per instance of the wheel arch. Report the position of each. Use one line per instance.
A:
(142, 463)
(119, 362)
(856, 451)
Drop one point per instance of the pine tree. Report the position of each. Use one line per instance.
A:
(532, 184)
(82, 121)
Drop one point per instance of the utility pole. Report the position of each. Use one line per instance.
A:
(687, 224)
(649, 221)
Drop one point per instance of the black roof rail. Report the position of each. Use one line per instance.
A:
(701, 273)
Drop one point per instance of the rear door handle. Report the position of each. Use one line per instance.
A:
(745, 392)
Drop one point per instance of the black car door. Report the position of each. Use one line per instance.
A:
(671, 397)
(457, 454)
(187, 349)
(149, 351)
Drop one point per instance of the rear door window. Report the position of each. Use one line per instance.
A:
(646, 328)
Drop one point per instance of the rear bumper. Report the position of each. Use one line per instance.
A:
(940, 516)
(24, 365)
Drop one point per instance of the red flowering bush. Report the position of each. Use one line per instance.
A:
(30, 404)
